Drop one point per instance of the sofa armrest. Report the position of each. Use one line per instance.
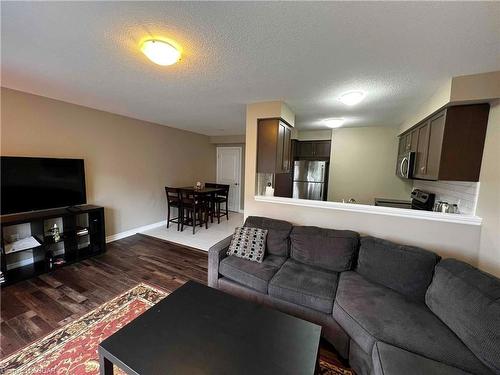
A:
(215, 254)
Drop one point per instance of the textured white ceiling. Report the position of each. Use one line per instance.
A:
(235, 53)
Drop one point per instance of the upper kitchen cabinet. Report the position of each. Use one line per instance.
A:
(449, 144)
(273, 146)
(313, 149)
(408, 142)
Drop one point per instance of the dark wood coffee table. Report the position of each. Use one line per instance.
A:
(200, 330)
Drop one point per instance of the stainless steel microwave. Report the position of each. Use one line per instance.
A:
(406, 165)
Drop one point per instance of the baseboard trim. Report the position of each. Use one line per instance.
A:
(131, 232)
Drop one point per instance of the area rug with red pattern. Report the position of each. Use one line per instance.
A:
(72, 349)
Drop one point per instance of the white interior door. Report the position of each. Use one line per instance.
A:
(229, 173)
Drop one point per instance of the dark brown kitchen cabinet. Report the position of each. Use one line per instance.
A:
(434, 149)
(402, 144)
(322, 149)
(283, 182)
(422, 134)
(304, 149)
(449, 144)
(283, 185)
(287, 148)
(408, 142)
(273, 146)
(313, 149)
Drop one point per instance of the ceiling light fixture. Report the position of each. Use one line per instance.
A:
(334, 122)
(160, 52)
(352, 97)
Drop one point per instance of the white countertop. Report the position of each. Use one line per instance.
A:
(376, 210)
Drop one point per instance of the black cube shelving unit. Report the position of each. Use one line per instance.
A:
(82, 235)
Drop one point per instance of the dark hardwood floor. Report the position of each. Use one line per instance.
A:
(31, 309)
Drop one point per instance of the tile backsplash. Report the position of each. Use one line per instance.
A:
(462, 193)
(262, 180)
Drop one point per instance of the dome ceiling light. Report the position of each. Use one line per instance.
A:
(160, 52)
(334, 122)
(352, 97)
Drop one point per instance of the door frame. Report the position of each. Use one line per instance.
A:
(240, 151)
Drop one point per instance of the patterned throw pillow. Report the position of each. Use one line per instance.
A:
(248, 243)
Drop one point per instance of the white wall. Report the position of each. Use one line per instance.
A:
(440, 98)
(482, 86)
(363, 164)
(447, 239)
(313, 135)
(488, 205)
(221, 139)
(128, 162)
(457, 90)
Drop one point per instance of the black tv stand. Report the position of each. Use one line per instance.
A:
(82, 235)
(73, 209)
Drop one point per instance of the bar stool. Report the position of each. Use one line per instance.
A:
(173, 200)
(211, 200)
(220, 198)
(194, 210)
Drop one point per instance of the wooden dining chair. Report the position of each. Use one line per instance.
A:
(211, 201)
(194, 210)
(173, 200)
(222, 198)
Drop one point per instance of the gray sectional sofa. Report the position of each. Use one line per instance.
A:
(389, 309)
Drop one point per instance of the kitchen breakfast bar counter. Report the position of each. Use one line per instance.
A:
(376, 210)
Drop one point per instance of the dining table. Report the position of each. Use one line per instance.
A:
(203, 190)
(207, 192)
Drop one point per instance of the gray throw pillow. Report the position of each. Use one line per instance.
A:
(248, 243)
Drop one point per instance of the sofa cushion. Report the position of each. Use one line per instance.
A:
(251, 274)
(277, 234)
(406, 269)
(326, 248)
(248, 243)
(370, 312)
(304, 285)
(360, 361)
(468, 301)
(390, 360)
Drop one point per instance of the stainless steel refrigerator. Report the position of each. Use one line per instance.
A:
(309, 179)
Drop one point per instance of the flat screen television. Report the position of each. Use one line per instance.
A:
(29, 184)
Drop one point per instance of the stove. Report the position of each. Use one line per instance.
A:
(422, 200)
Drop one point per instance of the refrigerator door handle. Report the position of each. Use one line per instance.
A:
(322, 172)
